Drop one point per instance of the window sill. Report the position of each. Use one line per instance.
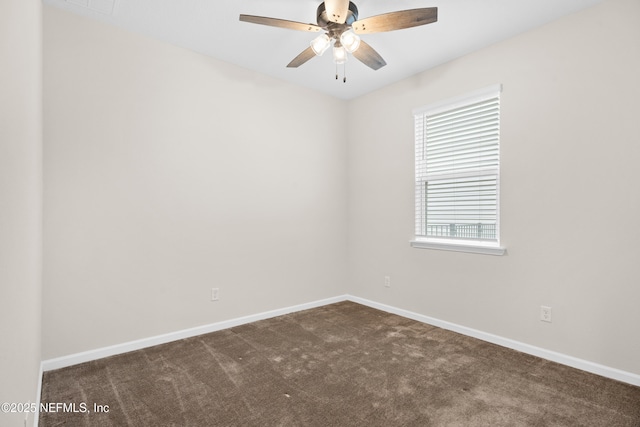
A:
(469, 247)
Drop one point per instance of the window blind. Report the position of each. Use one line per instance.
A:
(457, 169)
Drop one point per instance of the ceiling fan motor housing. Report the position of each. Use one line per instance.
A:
(324, 22)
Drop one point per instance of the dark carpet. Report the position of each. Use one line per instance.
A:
(339, 365)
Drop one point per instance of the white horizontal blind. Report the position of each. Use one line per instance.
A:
(457, 169)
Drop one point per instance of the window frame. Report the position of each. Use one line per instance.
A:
(489, 247)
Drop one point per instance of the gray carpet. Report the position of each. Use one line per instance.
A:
(339, 365)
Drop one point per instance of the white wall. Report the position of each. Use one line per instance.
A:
(168, 173)
(20, 202)
(570, 197)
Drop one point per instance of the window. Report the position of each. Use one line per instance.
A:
(457, 182)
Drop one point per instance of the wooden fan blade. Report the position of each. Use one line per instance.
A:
(368, 56)
(304, 56)
(396, 20)
(281, 23)
(337, 10)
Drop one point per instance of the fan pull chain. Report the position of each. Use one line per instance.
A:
(344, 72)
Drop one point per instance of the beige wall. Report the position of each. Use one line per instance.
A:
(168, 173)
(20, 202)
(570, 199)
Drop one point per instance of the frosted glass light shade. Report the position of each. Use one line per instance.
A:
(350, 41)
(320, 44)
(339, 54)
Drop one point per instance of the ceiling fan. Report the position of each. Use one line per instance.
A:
(338, 19)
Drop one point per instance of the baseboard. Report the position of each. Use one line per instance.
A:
(87, 356)
(574, 362)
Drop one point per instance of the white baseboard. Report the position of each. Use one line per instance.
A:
(87, 356)
(563, 359)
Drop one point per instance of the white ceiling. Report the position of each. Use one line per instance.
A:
(212, 27)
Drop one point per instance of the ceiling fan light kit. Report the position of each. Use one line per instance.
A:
(339, 21)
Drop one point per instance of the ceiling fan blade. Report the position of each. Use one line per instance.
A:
(396, 20)
(368, 56)
(281, 23)
(337, 10)
(304, 56)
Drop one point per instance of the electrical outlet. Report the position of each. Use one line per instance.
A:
(387, 281)
(215, 294)
(545, 313)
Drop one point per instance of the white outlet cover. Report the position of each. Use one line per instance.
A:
(545, 313)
